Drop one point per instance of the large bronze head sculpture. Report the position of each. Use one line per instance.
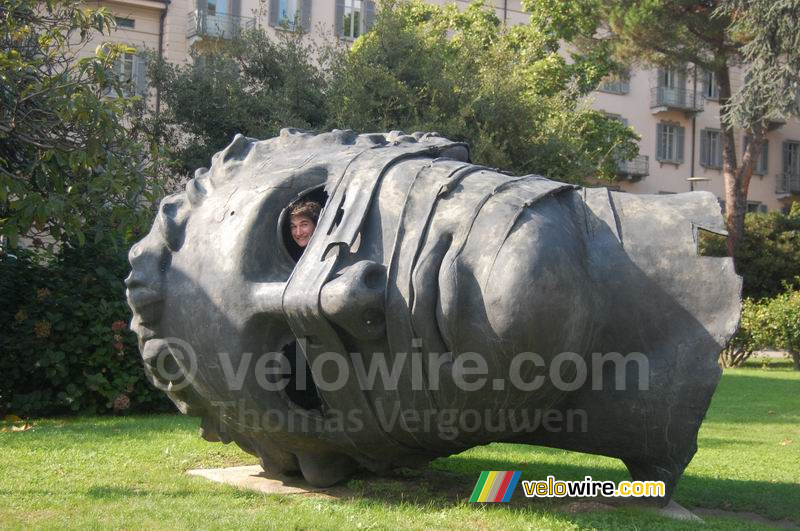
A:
(438, 305)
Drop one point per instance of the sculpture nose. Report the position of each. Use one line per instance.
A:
(355, 300)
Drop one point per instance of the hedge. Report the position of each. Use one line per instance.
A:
(66, 346)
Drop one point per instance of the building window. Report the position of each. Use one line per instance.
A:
(670, 90)
(354, 17)
(131, 72)
(351, 24)
(125, 22)
(710, 86)
(616, 83)
(287, 13)
(762, 166)
(617, 117)
(756, 206)
(710, 148)
(791, 158)
(672, 78)
(290, 14)
(669, 143)
(124, 70)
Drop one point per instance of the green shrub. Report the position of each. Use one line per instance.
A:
(781, 325)
(769, 255)
(66, 346)
(742, 345)
(768, 323)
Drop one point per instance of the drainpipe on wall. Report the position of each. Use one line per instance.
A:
(161, 51)
(694, 123)
(505, 11)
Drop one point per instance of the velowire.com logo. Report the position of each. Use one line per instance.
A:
(495, 486)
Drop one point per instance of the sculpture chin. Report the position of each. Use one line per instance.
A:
(420, 253)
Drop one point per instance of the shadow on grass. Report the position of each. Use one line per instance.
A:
(768, 499)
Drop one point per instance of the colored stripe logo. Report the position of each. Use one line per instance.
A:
(494, 486)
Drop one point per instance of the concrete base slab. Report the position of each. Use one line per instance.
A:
(672, 510)
(678, 512)
(252, 477)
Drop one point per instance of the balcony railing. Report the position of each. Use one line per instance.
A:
(221, 25)
(666, 98)
(635, 169)
(787, 183)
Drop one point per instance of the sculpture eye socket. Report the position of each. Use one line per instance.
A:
(316, 194)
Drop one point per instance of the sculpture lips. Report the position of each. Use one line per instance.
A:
(144, 301)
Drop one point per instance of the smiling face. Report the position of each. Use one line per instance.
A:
(302, 228)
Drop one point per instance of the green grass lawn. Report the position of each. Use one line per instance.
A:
(129, 472)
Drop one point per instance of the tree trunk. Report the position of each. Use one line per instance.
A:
(736, 177)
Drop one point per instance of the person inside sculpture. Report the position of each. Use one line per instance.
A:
(303, 219)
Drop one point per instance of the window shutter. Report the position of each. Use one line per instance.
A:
(339, 18)
(709, 85)
(274, 12)
(236, 8)
(704, 148)
(624, 84)
(763, 160)
(202, 5)
(140, 74)
(305, 15)
(369, 15)
(786, 158)
(718, 162)
(679, 144)
(660, 151)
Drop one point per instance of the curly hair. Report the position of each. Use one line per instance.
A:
(306, 209)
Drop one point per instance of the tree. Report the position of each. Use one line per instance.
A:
(506, 91)
(677, 32)
(67, 163)
(254, 85)
(770, 31)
